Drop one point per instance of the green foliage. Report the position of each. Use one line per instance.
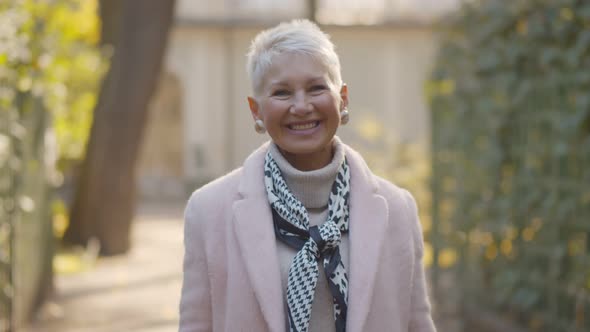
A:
(511, 157)
(49, 52)
(50, 68)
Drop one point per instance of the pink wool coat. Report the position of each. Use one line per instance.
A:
(231, 267)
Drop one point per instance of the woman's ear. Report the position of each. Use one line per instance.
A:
(253, 107)
(344, 96)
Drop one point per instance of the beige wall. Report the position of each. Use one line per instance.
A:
(340, 12)
(384, 67)
(161, 162)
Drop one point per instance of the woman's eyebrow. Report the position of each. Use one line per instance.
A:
(279, 83)
(318, 78)
(285, 83)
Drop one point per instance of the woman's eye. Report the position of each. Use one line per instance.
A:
(318, 87)
(280, 93)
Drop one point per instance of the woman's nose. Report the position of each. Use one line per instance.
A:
(301, 104)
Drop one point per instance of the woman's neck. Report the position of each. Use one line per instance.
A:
(310, 161)
(312, 188)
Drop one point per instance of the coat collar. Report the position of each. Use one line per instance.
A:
(255, 234)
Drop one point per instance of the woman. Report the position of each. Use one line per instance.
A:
(303, 237)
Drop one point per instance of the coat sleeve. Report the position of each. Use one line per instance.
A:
(195, 300)
(421, 319)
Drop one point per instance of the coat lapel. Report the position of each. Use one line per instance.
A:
(368, 223)
(255, 233)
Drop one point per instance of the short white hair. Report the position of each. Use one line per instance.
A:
(294, 37)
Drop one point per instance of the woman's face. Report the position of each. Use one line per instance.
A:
(300, 109)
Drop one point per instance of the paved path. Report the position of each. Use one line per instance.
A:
(140, 291)
(136, 292)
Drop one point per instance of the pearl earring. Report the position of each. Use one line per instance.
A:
(344, 116)
(259, 126)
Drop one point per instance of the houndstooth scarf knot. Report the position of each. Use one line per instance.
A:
(323, 239)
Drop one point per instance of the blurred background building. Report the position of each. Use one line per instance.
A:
(201, 126)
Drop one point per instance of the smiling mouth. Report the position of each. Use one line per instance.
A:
(304, 126)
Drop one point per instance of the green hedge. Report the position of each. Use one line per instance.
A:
(510, 100)
(50, 68)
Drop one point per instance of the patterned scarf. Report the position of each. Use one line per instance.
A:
(291, 222)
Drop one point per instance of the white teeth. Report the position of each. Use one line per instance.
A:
(304, 126)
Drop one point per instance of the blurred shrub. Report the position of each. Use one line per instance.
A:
(49, 57)
(50, 68)
(511, 153)
(49, 52)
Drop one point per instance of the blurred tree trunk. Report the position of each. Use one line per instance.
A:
(312, 7)
(110, 19)
(104, 203)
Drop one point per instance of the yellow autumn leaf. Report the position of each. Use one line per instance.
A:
(370, 129)
(69, 263)
(447, 257)
(427, 259)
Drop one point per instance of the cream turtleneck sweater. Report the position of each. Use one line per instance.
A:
(312, 188)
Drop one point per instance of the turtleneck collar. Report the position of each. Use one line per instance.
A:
(312, 188)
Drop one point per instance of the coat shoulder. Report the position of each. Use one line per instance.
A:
(401, 201)
(214, 195)
(392, 192)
